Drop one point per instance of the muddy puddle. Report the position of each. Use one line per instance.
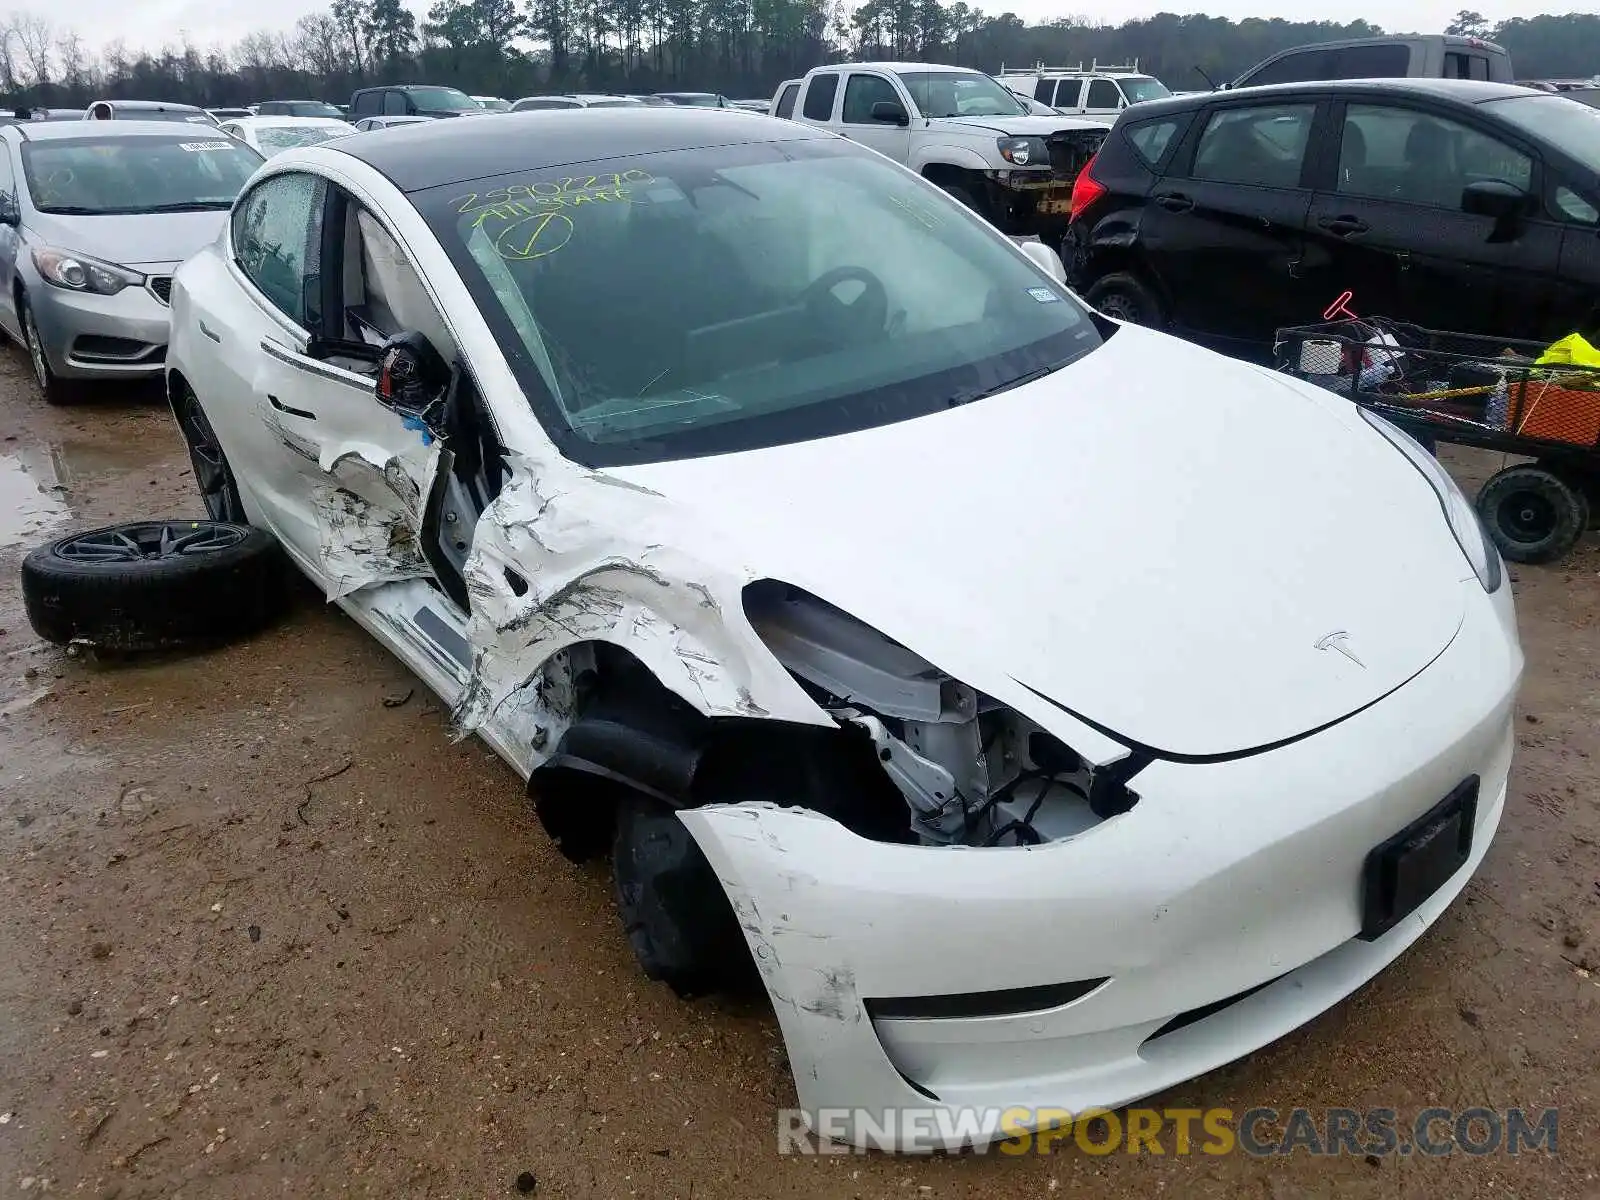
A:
(30, 502)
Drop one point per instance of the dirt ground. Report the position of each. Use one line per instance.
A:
(265, 931)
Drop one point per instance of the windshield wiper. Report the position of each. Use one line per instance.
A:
(188, 206)
(75, 210)
(972, 394)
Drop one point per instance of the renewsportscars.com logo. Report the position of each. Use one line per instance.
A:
(1259, 1132)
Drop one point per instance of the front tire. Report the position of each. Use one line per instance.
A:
(677, 917)
(1127, 298)
(1532, 514)
(54, 389)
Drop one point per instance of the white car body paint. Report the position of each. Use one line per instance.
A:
(1072, 548)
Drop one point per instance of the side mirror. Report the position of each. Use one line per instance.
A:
(413, 379)
(1046, 259)
(891, 112)
(1494, 198)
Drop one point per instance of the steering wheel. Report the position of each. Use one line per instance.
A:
(854, 322)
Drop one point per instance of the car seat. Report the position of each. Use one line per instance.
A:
(1431, 175)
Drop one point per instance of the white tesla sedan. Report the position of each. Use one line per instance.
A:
(1045, 710)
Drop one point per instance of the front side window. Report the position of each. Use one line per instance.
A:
(861, 93)
(277, 242)
(786, 99)
(1418, 158)
(819, 97)
(1103, 94)
(441, 99)
(1067, 93)
(313, 108)
(394, 104)
(368, 103)
(960, 94)
(1264, 146)
(752, 313)
(91, 175)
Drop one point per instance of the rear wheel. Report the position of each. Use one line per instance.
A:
(212, 474)
(1125, 297)
(1533, 515)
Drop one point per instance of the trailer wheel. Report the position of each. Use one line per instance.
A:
(1533, 515)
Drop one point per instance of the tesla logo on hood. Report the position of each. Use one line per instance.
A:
(1336, 641)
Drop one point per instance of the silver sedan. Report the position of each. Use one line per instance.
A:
(94, 219)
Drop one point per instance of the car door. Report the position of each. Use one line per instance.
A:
(1224, 229)
(1067, 94)
(1576, 303)
(1391, 226)
(863, 89)
(344, 476)
(10, 237)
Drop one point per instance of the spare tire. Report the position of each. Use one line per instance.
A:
(149, 585)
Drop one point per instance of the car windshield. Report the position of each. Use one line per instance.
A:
(767, 292)
(695, 100)
(1139, 88)
(315, 108)
(116, 175)
(617, 103)
(1569, 126)
(442, 99)
(286, 137)
(491, 104)
(960, 94)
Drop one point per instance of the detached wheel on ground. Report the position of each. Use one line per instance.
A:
(1124, 297)
(151, 585)
(54, 389)
(1533, 515)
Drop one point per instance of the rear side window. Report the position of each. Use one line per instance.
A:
(367, 103)
(819, 97)
(1150, 139)
(1264, 146)
(1041, 90)
(1462, 65)
(1103, 94)
(394, 104)
(1067, 93)
(1299, 67)
(1374, 62)
(786, 99)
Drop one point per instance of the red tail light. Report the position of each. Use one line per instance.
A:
(1086, 189)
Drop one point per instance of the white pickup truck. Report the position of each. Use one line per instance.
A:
(958, 128)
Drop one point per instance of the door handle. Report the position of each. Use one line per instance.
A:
(1344, 226)
(210, 332)
(291, 411)
(1175, 202)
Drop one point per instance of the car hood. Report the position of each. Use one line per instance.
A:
(139, 240)
(1196, 555)
(1014, 126)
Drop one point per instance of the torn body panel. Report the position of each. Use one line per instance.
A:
(564, 556)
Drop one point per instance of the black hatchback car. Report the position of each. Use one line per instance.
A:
(1458, 205)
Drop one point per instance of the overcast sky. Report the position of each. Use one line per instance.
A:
(209, 22)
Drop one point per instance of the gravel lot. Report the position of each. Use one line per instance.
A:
(265, 931)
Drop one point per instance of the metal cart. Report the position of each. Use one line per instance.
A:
(1474, 391)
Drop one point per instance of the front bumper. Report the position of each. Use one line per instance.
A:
(89, 336)
(1226, 877)
(1030, 202)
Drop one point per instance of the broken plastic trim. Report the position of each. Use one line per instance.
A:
(1003, 1002)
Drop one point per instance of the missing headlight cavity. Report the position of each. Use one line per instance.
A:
(972, 770)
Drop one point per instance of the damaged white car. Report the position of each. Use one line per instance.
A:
(1045, 710)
